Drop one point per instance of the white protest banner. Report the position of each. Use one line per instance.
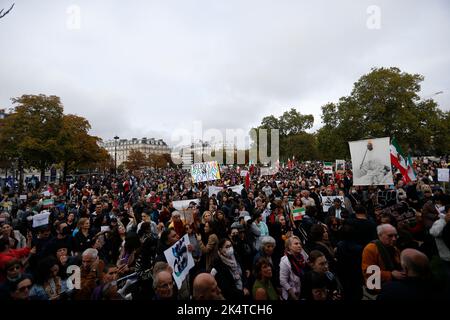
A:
(244, 173)
(205, 171)
(328, 167)
(237, 188)
(443, 175)
(41, 219)
(268, 171)
(327, 202)
(23, 197)
(371, 162)
(46, 193)
(184, 204)
(340, 165)
(214, 190)
(180, 259)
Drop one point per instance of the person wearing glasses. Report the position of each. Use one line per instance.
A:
(163, 286)
(384, 254)
(20, 289)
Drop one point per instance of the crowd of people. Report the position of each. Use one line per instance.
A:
(375, 242)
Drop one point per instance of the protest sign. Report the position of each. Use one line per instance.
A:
(23, 197)
(340, 166)
(180, 259)
(41, 219)
(244, 173)
(443, 175)
(205, 171)
(402, 213)
(46, 193)
(214, 190)
(327, 201)
(184, 204)
(162, 186)
(268, 171)
(371, 162)
(387, 197)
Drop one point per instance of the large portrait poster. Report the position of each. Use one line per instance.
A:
(180, 259)
(371, 162)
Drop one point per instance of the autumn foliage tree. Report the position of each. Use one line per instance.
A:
(37, 134)
(136, 160)
(78, 149)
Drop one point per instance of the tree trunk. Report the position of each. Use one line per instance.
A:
(20, 165)
(65, 168)
(42, 174)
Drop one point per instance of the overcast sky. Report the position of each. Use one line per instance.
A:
(146, 68)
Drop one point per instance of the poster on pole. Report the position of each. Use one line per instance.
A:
(205, 171)
(180, 259)
(340, 166)
(328, 167)
(443, 175)
(371, 162)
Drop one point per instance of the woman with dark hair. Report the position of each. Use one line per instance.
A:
(221, 225)
(319, 240)
(48, 285)
(228, 272)
(16, 239)
(319, 268)
(83, 237)
(168, 238)
(210, 249)
(71, 221)
(263, 288)
(127, 257)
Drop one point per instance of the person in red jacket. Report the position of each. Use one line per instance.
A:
(7, 254)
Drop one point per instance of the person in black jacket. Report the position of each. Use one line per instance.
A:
(228, 272)
(416, 285)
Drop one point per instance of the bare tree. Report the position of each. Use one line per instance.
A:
(4, 14)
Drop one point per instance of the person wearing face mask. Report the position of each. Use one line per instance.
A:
(228, 273)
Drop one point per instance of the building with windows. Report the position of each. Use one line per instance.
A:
(144, 145)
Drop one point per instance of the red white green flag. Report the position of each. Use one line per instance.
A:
(399, 160)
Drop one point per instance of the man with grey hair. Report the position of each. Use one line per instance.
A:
(383, 254)
(416, 285)
(91, 274)
(163, 286)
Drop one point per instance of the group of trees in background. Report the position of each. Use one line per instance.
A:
(137, 160)
(383, 103)
(37, 134)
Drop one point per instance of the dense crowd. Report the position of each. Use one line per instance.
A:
(246, 246)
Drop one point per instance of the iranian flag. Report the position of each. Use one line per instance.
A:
(399, 160)
(298, 213)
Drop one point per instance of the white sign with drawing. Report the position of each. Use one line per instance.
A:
(180, 259)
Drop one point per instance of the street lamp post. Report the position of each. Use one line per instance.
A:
(115, 154)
